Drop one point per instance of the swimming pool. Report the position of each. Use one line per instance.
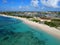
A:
(15, 32)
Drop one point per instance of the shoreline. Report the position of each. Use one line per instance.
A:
(50, 30)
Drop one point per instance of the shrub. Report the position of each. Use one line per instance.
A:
(36, 20)
(51, 24)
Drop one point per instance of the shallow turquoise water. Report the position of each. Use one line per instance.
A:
(15, 32)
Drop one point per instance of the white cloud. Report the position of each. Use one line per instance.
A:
(35, 3)
(51, 3)
(4, 1)
(20, 7)
(42, 8)
(24, 7)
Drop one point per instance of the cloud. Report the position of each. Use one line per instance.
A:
(35, 3)
(51, 3)
(42, 8)
(24, 7)
(4, 1)
(20, 7)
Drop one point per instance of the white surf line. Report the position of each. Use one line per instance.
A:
(53, 31)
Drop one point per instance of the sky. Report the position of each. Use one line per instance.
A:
(29, 5)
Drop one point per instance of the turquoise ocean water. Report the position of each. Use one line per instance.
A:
(15, 32)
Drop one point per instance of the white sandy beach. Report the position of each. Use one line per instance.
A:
(53, 31)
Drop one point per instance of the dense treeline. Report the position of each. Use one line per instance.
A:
(53, 23)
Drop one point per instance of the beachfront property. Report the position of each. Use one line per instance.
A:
(29, 22)
(27, 30)
(22, 31)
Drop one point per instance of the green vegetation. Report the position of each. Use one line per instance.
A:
(25, 16)
(35, 20)
(55, 20)
(8, 13)
(58, 13)
(53, 23)
(50, 24)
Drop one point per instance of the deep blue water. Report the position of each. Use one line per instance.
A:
(15, 32)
